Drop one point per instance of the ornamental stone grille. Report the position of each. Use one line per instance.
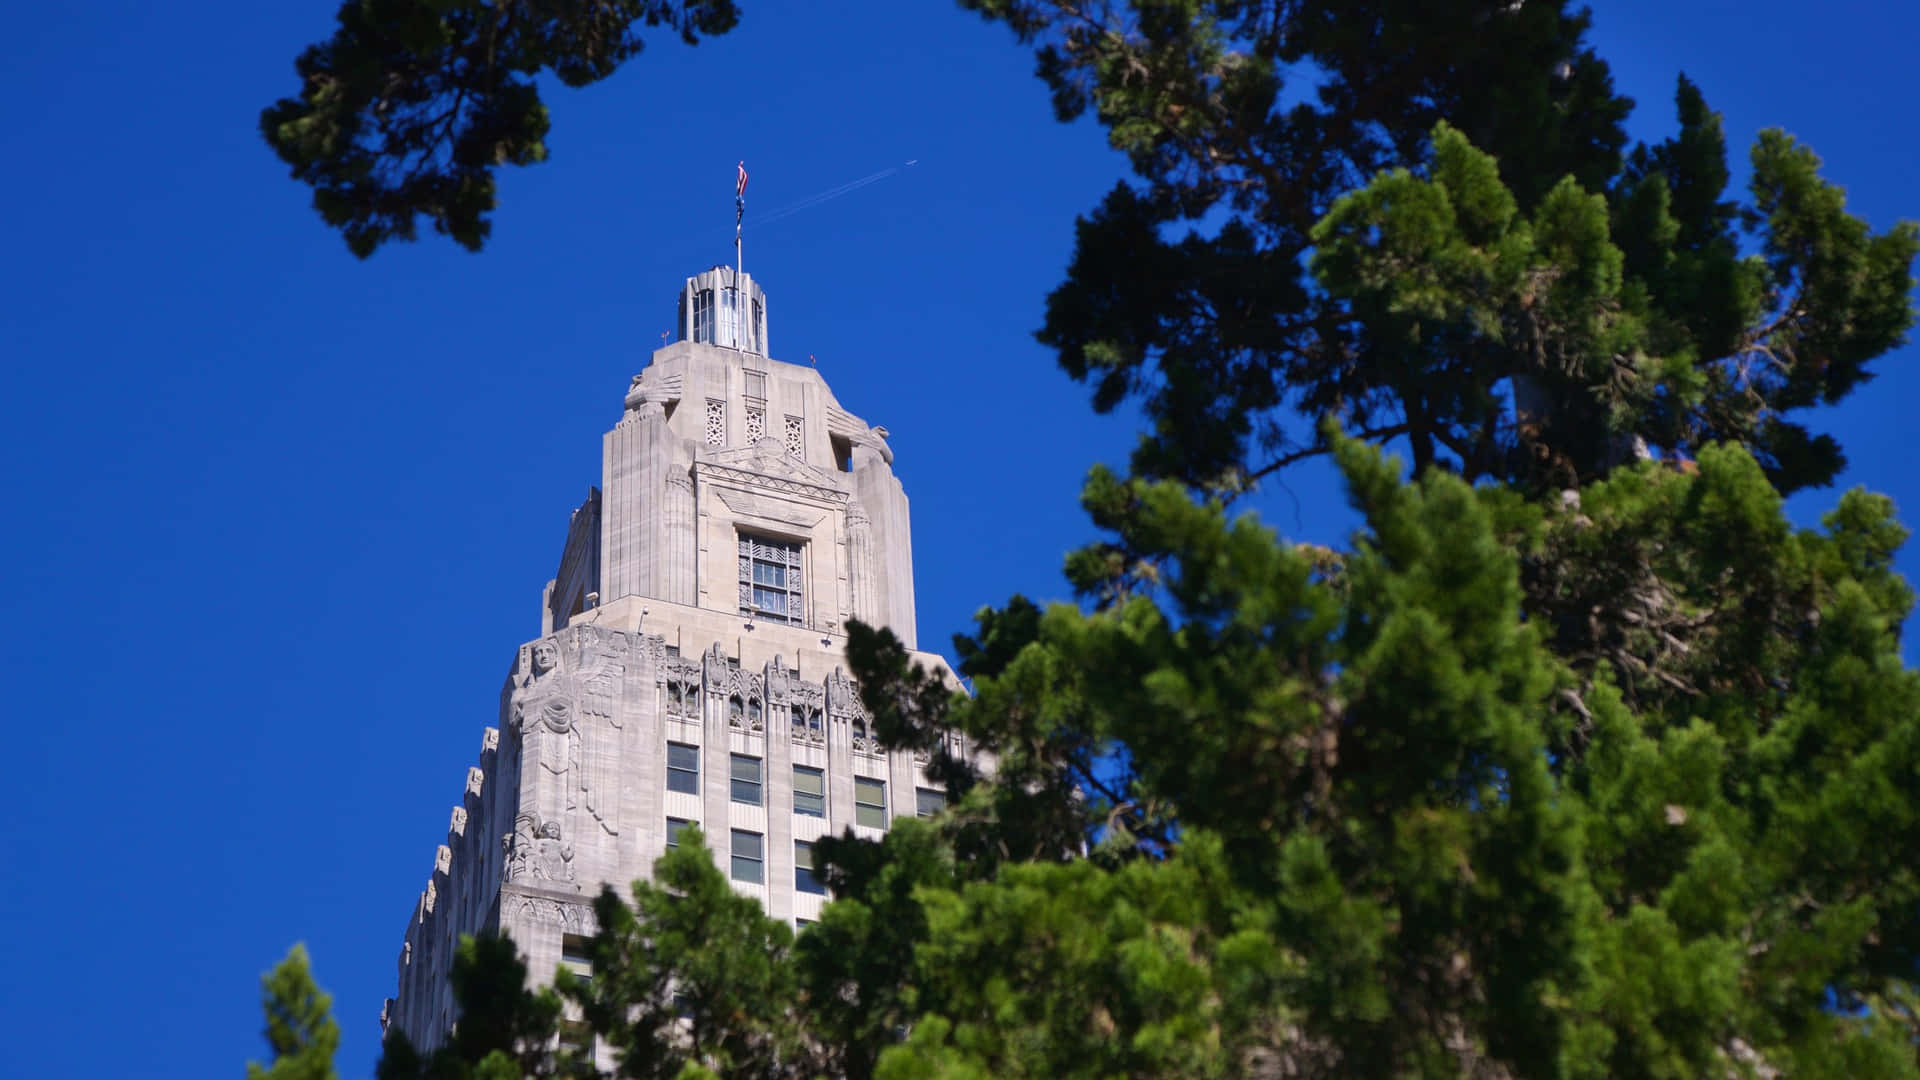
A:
(796, 438)
(716, 423)
(756, 425)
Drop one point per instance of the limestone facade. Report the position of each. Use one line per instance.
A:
(690, 667)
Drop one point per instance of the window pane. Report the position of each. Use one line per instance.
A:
(746, 857)
(869, 802)
(803, 876)
(676, 826)
(928, 802)
(809, 791)
(683, 768)
(746, 779)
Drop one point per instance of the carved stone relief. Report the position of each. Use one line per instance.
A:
(562, 697)
(542, 911)
(536, 851)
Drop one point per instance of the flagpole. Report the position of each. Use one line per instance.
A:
(739, 263)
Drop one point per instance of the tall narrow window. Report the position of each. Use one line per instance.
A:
(756, 384)
(703, 316)
(683, 768)
(749, 857)
(676, 826)
(927, 802)
(770, 580)
(576, 955)
(870, 802)
(758, 328)
(804, 879)
(729, 334)
(809, 791)
(746, 780)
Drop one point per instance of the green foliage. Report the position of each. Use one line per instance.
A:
(1533, 312)
(504, 1031)
(1577, 761)
(300, 1028)
(412, 104)
(693, 976)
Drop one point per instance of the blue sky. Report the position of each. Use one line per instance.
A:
(278, 518)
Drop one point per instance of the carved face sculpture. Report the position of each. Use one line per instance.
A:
(550, 831)
(545, 656)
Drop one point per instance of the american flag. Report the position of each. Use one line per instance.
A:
(740, 182)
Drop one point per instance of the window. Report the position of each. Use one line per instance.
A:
(756, 380)
(801, 924)
(770, 579)
(804, 879)
(758, 328)
(746, 780)
(869, 802)
(676, 826)
(576, 955)
(729, 331)
(748, 857)
(683, 768)
(576, 1036)
(928, 802)
(703, 316)
(809, 791)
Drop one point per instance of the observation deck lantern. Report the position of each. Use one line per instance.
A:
(724, 307)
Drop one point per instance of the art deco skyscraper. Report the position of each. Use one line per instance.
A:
(689, 668)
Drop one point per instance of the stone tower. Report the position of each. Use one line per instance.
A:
(690, 664)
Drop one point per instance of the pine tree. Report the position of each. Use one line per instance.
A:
(407, 110)
(300, 1028)
(1578, 760)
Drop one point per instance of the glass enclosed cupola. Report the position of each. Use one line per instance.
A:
(724, 307)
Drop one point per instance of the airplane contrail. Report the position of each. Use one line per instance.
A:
(828, 195)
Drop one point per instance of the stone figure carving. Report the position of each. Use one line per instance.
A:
(777, 680)
(536, 851)
(552, 857)
(552, 705)
(843, 704)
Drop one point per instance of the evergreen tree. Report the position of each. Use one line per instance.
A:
(300, 1028)
(1578, 760)
(691, 976)
(1538, 335)
(407, 110)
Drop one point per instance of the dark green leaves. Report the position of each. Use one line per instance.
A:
(409, 108)
(1532, 307)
